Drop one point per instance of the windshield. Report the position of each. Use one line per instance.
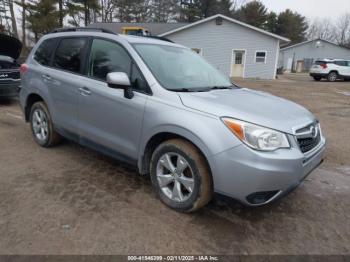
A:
(181, 69)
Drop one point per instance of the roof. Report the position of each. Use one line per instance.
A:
(310, 41)
(154, 28)
(187, 26)
(129, 38)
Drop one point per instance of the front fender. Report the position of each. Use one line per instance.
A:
(205, 131)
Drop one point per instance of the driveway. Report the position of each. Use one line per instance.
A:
(72, 200)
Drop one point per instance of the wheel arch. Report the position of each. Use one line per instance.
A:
(31, 99)
(159, 137)
(334, 71)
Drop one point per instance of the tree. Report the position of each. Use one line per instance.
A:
(8, 22)
(271, 22)
(42, 17)
(321, 29)
(343, 30)
(89, 8)
(225, 7)
(164, 11)
(292, 25)
(253, 13)
(13, 18)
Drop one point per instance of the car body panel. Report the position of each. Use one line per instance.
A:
(252, 106)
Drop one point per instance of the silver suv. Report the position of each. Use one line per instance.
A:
(162, 107)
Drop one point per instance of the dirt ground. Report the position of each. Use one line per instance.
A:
(71, 200)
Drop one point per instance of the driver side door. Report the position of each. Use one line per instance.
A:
(108, 121)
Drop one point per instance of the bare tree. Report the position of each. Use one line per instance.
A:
(13, 18)
(343, 30)
(322, 29)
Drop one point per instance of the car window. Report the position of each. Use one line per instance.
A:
(341, 63)
(69, 53)
(137, 80)
(44, 52)
(107, 57)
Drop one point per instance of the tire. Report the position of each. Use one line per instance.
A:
(332, 77)
(197, 170)
(317, 78)
(49, 137)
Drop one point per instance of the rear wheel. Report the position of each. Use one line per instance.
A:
(332, 76)
(180, 176)
(317, 78)
(42, 126)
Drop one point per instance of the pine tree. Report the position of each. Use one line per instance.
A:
(42, 17)
(253, 13)
(292, 25)
(271, 22)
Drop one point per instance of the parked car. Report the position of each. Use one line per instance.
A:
(183, 122)
(10, 49)
(331, 69)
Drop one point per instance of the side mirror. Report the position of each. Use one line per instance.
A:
(122, 81)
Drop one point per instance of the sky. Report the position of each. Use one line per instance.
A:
(311, 8)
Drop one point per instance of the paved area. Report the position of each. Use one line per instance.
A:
(72, 200)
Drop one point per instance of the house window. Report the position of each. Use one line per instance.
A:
(238, 58)
(260, 57)
(197, 50)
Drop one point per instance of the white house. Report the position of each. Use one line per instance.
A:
(234, 47)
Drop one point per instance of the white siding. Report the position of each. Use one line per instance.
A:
(218, 41)
(309, 50)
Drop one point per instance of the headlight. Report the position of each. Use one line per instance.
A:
(257, 137)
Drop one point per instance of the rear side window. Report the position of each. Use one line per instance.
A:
(44, 52)
(341, 63)
(69, 53)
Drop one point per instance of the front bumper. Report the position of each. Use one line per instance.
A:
(257, 178)
(9, 89)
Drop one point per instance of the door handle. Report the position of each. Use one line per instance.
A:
(84, 91)
(46, 77)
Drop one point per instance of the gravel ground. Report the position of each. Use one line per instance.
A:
(71, 200)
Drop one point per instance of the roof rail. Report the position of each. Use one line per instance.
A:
(158, 38)
(79, 29)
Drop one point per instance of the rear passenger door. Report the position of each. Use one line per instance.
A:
(64, 79)
(109, 121)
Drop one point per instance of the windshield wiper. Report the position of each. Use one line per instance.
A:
(188, 90)
(220, 87)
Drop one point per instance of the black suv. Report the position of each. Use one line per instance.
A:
(10, 49)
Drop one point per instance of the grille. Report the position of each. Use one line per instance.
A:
(12, 74)
(309, 138)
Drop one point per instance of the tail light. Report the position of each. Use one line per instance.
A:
(23, 69)
(324, 66)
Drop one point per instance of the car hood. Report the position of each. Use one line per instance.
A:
(10, 46)
(252, 106)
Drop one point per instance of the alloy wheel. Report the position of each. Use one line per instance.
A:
(175, 177)
(40, 125)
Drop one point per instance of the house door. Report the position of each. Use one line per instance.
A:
(238, 57)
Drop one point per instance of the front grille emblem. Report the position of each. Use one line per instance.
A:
(4, 75)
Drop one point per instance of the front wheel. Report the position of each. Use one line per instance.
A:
(42, 126)
(180, 176)
(332, 76)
